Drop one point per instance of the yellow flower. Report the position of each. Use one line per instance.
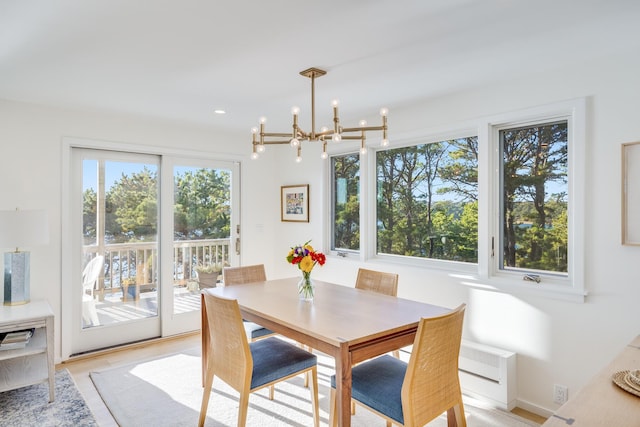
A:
(309, 248)
(290, 253)
(306, 264)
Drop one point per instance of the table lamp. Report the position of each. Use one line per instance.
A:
(20, 229)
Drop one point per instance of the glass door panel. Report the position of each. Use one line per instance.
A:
(119, 264)
(201, 232)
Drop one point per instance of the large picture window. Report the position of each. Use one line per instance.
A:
(427, 200)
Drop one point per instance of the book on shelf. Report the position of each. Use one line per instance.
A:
(15, 339)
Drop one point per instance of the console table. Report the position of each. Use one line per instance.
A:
(32, 364)
(601, 402)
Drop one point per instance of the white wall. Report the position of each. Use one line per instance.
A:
(556, 341)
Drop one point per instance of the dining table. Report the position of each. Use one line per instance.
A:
(351, 325)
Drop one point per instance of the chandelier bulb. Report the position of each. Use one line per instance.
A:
(324, 155)
(295, 110)
(335, 103)
(363, 150)
(384, 112)
(263, 120)
(294, 142)
(298, 159)
(336, 137)
(254, 130)
(363, 123)
(254, 156)
(384, 142)
(260, 148)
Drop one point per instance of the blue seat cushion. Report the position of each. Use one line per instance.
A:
(253, 330)
(377, 383)
(274, 358)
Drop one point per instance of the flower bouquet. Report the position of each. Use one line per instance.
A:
(305, 257)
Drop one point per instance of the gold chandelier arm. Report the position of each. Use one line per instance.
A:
(276, 134)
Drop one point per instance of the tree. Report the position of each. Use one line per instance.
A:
(202, 207)
(534, 157)
(346, 171)
(132, 208)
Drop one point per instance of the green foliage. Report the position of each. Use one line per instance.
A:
(202, 207)
(346, 205)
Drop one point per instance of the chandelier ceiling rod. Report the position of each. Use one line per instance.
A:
(337, 134)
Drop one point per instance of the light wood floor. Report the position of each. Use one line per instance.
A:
(80, 367)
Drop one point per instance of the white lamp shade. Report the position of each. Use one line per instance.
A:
(23, 228)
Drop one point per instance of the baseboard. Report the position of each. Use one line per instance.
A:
(533, 408)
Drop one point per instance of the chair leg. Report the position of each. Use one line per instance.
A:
(455, 416)
(272, 389)
(333, 421)
(243, 408)
(314, 395)
(353, 407)
(208, 384)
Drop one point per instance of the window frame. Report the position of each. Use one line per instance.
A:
(571, 285)
(487, 273)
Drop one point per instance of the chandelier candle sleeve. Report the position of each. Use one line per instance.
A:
(297, 135)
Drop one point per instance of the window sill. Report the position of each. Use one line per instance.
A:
(512, 286)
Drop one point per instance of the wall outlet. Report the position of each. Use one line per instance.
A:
(560, 394)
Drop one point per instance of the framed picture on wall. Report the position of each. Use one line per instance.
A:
(294, 203)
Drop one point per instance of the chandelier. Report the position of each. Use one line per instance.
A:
(297, 135)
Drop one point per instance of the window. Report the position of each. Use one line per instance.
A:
(346, 202)
(534, 197)
(427, 200)
(502, 205)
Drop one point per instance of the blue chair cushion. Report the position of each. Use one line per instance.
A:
(377, 383)
(253, 330)
(274, 358)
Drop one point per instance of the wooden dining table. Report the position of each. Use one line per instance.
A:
(349, 324)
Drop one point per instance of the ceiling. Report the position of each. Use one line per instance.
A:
(181, 59)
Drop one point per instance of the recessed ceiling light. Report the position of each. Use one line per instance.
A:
(219, 111)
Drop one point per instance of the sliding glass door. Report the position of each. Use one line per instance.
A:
(148, 230)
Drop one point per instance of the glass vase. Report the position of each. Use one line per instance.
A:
(306, 287)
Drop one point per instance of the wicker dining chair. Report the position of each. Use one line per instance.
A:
(380, 282)
(415, 393)
(377, 281)
(245, 366)
(248, 274)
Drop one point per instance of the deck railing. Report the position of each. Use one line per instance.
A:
(137, 263)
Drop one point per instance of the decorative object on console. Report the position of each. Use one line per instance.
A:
(337, 134)
(19, 229)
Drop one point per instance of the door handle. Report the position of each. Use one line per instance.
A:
(237, 246)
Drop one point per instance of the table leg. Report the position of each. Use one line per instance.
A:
(343, 386)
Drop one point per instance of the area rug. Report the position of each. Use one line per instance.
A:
(29, 406)
(167, 391)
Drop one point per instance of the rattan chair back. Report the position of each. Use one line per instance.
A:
(431, 384)
(229, 354)
(377, 281)
(244, 274)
